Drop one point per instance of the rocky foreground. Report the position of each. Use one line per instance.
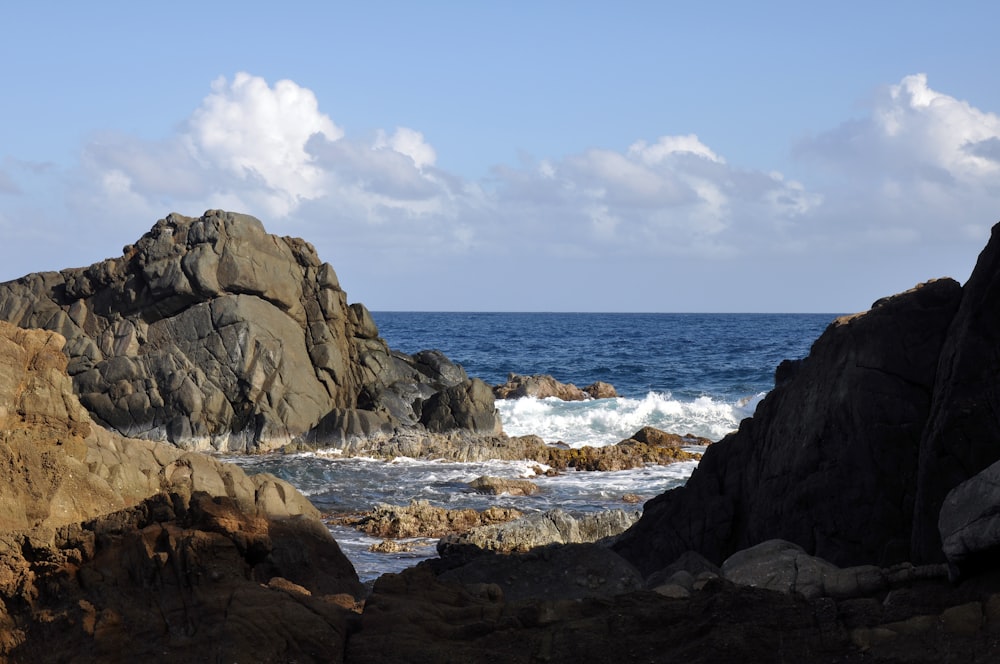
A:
(854, 518)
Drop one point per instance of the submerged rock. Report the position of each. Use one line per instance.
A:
(212, 334)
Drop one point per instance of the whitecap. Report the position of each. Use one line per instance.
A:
(601, 422)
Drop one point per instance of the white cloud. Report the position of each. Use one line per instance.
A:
(259, 133)
(673, 196)
(920, 159)
(918, 165)
(408, 142)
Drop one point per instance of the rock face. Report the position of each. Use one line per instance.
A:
(830, 459)
(555, 526)
(212, 334)
(127, 550)
(853, 453)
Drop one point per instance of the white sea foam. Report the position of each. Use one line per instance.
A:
(602, 422)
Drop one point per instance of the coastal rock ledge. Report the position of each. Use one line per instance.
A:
(212, 334)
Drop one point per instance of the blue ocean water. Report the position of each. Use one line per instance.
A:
(683, 373)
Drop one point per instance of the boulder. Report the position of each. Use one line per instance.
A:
(542, 386)
(467, 405)
(421, 519)
(495, 486)
(969, 522)
(785, 567)
(601, 390)
(211, 334)
(554, 526)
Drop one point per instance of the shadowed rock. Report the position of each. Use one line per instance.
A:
(116, 549)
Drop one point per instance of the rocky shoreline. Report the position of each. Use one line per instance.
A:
(852, 519)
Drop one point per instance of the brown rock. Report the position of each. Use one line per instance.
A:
(538, 386)
(126, 550)
(421, 519)
(498, 485)
(601, 390)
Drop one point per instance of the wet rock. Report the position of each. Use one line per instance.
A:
(421, 519)
(542, 386)
(495, 486)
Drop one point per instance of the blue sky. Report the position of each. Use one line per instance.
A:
(554, 156)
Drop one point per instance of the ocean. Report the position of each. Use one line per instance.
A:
(683, 373)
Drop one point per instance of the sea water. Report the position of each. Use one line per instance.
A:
(683, 373)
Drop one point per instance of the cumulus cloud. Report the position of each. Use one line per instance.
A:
(270, 150)
(675, 195)
(903, 172)
(917, 160)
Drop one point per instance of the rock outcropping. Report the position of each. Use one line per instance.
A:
(542, 386)
(212, 334)
(126, 550)
(853, 453)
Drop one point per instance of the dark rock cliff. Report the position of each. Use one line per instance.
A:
(212, 334)
(853, 452)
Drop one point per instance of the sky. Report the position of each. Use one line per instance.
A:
(520, 156)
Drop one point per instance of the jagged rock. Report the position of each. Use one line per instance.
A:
(829, 460)
(962, 436)
(554, 526)
(212, 334)
(119, 549)
(495, 486)
(464, 446)
(601, 390)
(421, 519)
(541, 386)
(468, 405)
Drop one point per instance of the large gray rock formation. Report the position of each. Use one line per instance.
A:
(212, 334)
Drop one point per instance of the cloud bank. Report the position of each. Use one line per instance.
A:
(918, 166)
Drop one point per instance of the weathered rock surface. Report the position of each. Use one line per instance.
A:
(465, 447)
(541, 386)
(421, 519)
(494, 486)
(554, 526)
(829, 461)
(125, 550)
(513, 609)
(969, 522)
(212, 334)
